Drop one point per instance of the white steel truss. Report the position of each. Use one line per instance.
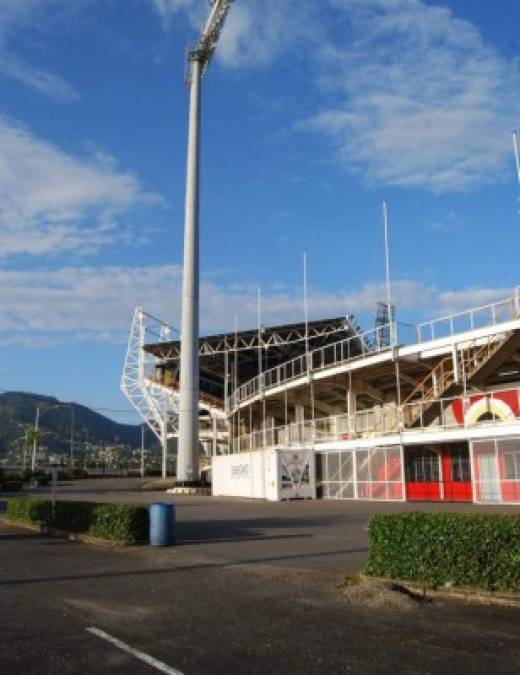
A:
(265, 338)
(157, 405)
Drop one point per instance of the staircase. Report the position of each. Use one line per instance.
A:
(475, 361)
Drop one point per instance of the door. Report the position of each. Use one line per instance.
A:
(423, 472)
(488, 472)
(294, 470)
(456, 473)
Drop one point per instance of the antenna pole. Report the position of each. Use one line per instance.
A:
(259, 325)
(387, 260)
(387, 272)
(305, 302)
(235, 359)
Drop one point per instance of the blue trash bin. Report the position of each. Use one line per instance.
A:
(162, 524)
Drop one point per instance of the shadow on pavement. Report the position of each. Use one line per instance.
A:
(207, 531)
(17, 536)
(181, 568)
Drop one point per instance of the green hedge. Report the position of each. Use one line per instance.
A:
(444, 549)
(120, 522)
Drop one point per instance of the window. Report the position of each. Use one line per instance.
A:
(460, 470)
(423, 467)
(512, 465)
(509, 449)
(488, 417)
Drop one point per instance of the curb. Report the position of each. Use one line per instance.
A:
(469, 593)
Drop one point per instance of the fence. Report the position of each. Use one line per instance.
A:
(480, 317)
(491, 408)
(496, 470)
(356, 346)
(373, 473)
(372, 342)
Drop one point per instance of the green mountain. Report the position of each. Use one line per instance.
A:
(17, 415)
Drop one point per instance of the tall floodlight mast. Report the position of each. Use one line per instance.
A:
(188, 446)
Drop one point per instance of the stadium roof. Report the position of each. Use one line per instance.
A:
(240, 350)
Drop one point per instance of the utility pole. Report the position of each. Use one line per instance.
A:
(306, 306)
(35, 438)
(188, 448)
(392, 326)
(387, 260)
(72, 420)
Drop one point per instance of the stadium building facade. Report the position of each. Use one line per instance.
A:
(403, 412)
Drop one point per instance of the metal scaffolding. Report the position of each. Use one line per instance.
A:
(156, 404)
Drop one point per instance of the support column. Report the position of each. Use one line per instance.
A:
(351, 410)
(214, 438)
(400, 412)
(299, 418)
(269, 420)
(164, 436)
(188, 449)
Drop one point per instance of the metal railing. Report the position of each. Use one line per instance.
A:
(371, 342)
(479, 317)
(355, 346)
(490, 408)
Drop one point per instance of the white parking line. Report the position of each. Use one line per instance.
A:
(159, 665)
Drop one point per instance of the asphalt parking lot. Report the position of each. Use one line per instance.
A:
(251, 587)
(327, 535)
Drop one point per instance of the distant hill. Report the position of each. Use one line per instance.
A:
(17, 412)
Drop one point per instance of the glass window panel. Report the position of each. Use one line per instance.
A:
(333, 490)
(333, 466)
(393, 463)
(422, 466)
(346, 491)
(460, 469)
(347, 466)
(509, 457)
(362, 465)
(377, 464)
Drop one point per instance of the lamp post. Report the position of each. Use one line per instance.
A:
(35, 438)
(188, 444)
(72, 421)
(37, 426)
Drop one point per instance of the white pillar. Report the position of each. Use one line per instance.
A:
(351, 410)
(188, 448)
(164, 437)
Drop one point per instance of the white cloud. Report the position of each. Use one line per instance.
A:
(96, 304)
(256, 32)
(167, 9)
(42, 81)
(19, 15)
(420, 99)
(51, 202)
(424, 100)
(475, 296)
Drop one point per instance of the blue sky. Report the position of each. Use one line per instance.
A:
(314, 112)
